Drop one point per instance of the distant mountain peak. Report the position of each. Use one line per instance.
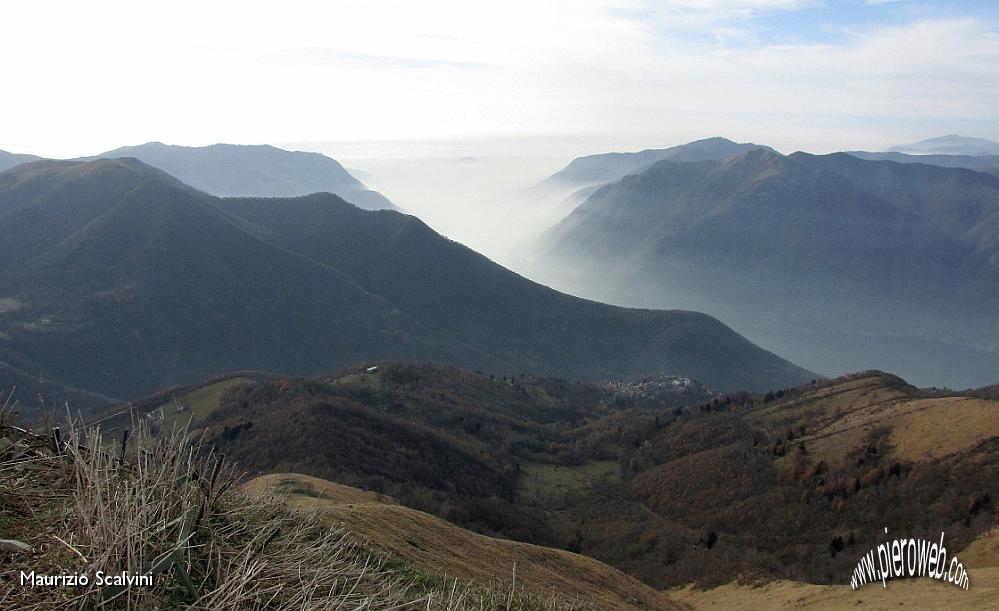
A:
(129, 165)
(951, 144)
(610, 167)
(760, 154)
(718, 140)
(76, 180)
(254, 170)
(132, 164)
(10, 160)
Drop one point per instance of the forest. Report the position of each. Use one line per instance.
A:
(671, 486)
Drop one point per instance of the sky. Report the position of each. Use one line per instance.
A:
(592, 75)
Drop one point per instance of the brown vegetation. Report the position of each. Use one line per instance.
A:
(163, 507)
(788, 485)
(440, 548)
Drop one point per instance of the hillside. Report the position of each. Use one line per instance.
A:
(843, 416)
(665, 490)
(232, 170)
(986, 392)
(9, 160)
(463, 295)
(166, 510)
(837, 261)
(843, 459)
(610, 167)
(205, 286)
(982, 554)
(981, 163)
(98, 247)
(845, 219)
(37, 394)
(439, 548)
(949, 145)
(437, 438)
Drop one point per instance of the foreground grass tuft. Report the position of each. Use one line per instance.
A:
(166, 507)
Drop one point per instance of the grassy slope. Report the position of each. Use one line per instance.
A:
(921, 429)
(876, 452)
(305, 490)
(199, 400)
(80, 511)
(844, 413)
(199, 403)
(438, 547)
(542, 482)
(981, 558)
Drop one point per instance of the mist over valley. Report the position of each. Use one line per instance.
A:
(604, 305)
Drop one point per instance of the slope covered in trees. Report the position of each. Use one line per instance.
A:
(610, 167)
(117, 279)
(841, 262)
(794, 484)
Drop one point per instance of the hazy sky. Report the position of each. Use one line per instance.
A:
(80, 77)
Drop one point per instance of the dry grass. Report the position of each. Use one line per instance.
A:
(551, 483)
(983, 551)
(165, 510)
(312, 491)
(197, 404)
(981, 558)
(438, 547)
(841, 415)
(934, 428)
(919, 593)
(165, 506)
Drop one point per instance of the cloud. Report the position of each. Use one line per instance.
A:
(324, 56)
(91, 77)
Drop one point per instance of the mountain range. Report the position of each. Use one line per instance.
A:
(117, 279)
(950, 145)
(237, 170)
(9, 160)
(839, 261)
(982, 163)
(608, 167)
(232, 170)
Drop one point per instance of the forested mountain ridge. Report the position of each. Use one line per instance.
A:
(118, 279)
(234, 170)
(609, 167)
(830, 244)
(981, 163)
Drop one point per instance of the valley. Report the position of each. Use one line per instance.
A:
(438, 548)
(524, 306)
(308, 284)
(364, 369)
(839, 262)
(664, 491)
